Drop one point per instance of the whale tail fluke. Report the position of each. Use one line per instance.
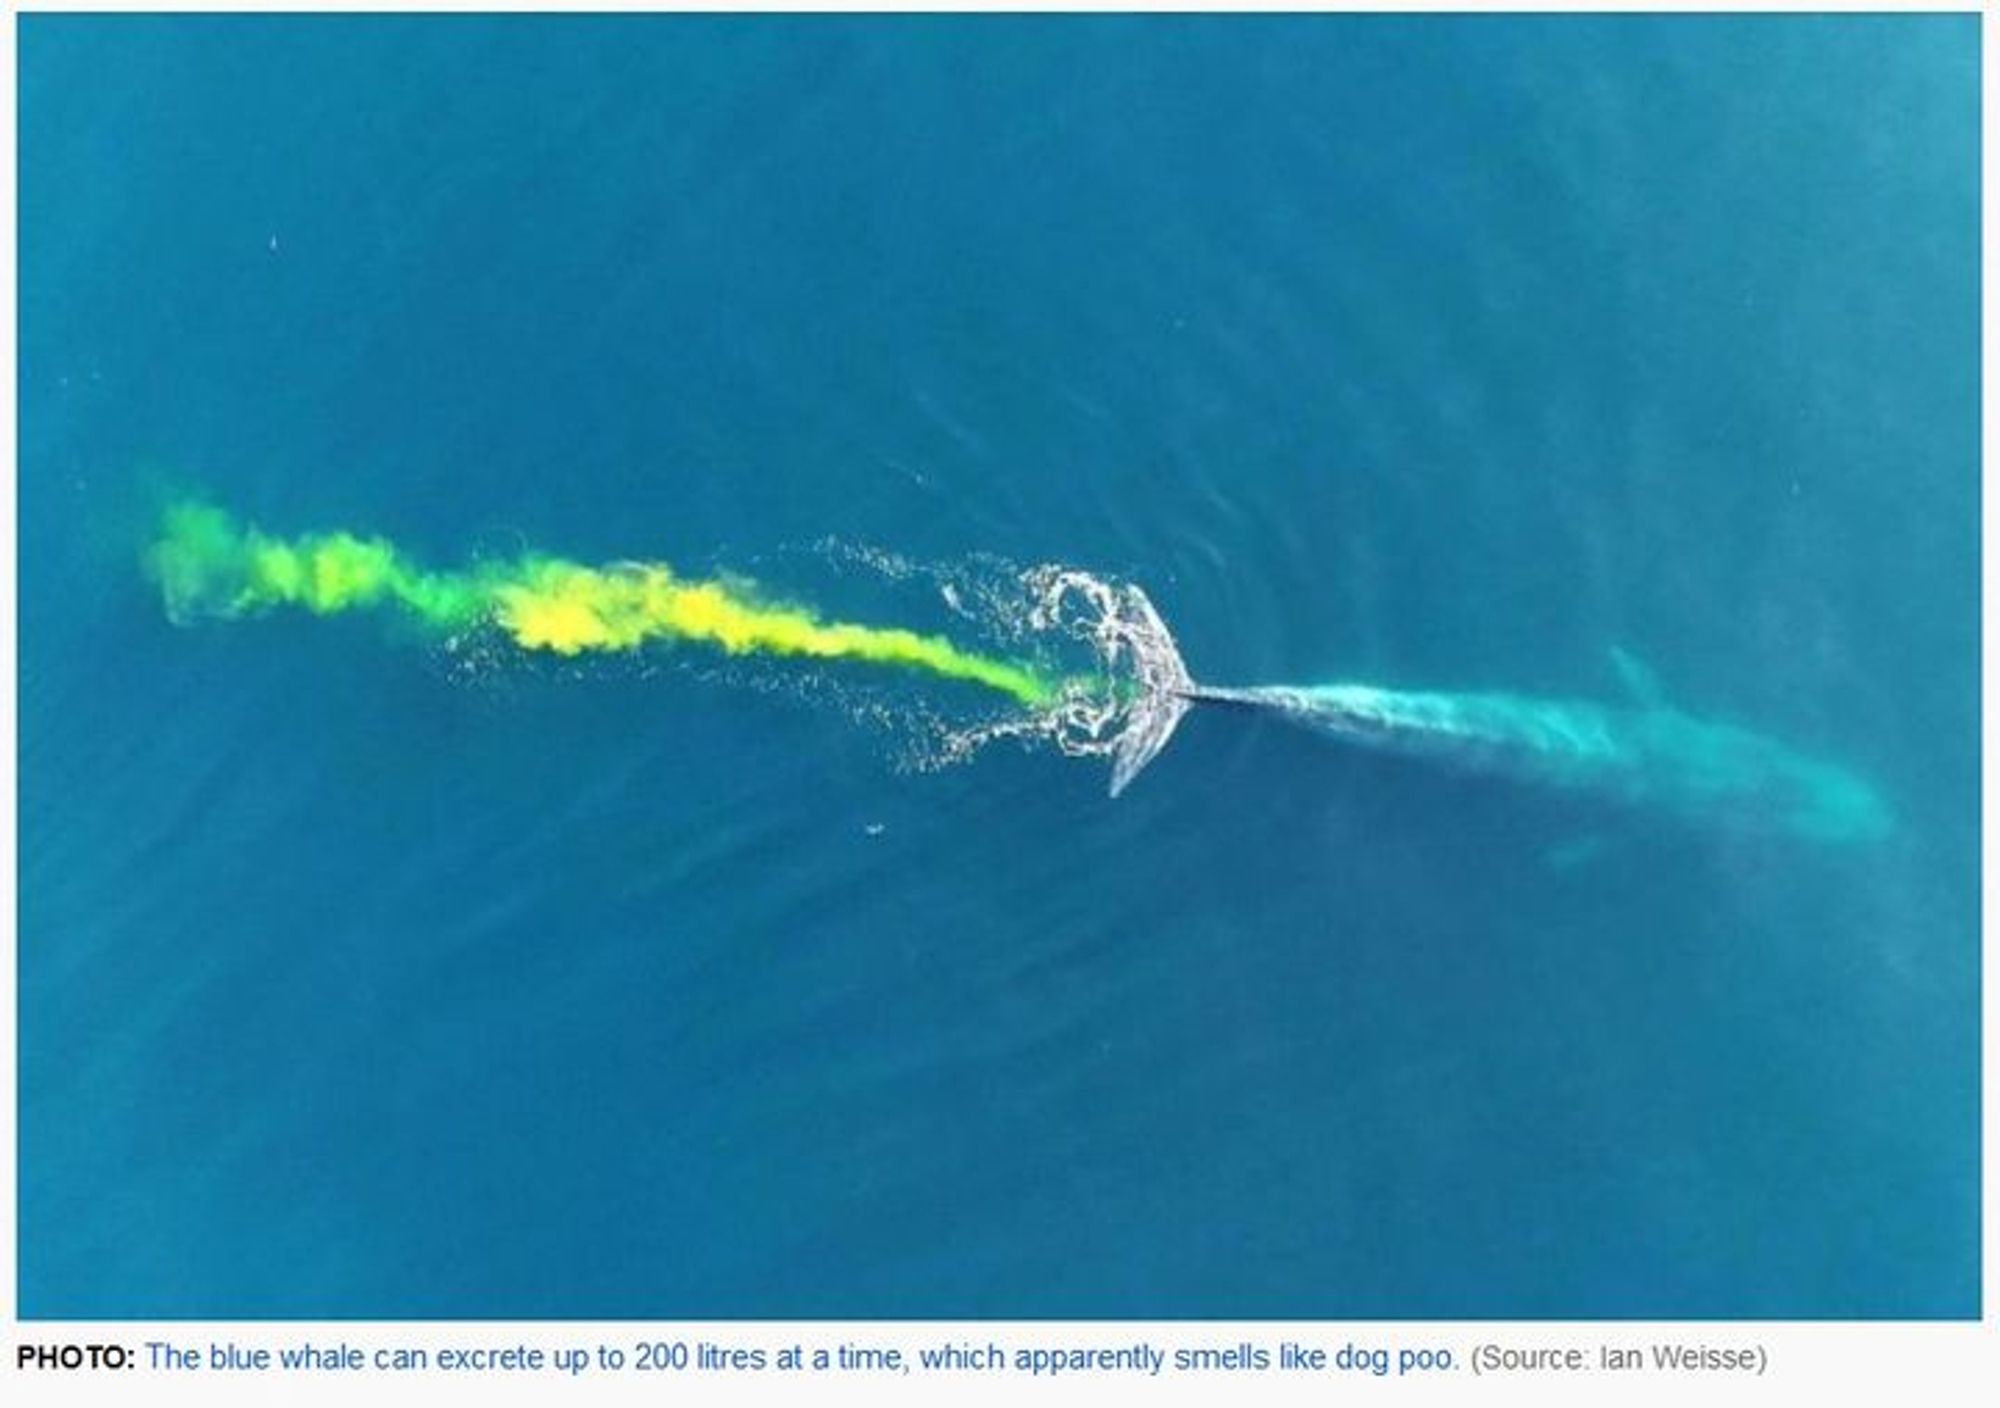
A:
(1163, 691)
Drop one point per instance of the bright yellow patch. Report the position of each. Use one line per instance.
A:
(207, 566)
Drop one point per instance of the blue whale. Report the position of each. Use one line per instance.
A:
(1647, 754)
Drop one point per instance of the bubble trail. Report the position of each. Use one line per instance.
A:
(209, 566)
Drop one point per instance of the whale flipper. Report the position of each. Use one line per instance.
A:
(1638, 678)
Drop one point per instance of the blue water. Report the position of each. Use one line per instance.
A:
(1431, 352)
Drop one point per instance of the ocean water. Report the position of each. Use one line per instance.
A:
(360, 979)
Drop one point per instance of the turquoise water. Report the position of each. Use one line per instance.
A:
(360, 978)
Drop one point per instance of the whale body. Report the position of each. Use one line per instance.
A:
(1653, 755)
(1648, 753)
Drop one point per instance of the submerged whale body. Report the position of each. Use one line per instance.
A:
(1648, 754)
(1654, 756)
